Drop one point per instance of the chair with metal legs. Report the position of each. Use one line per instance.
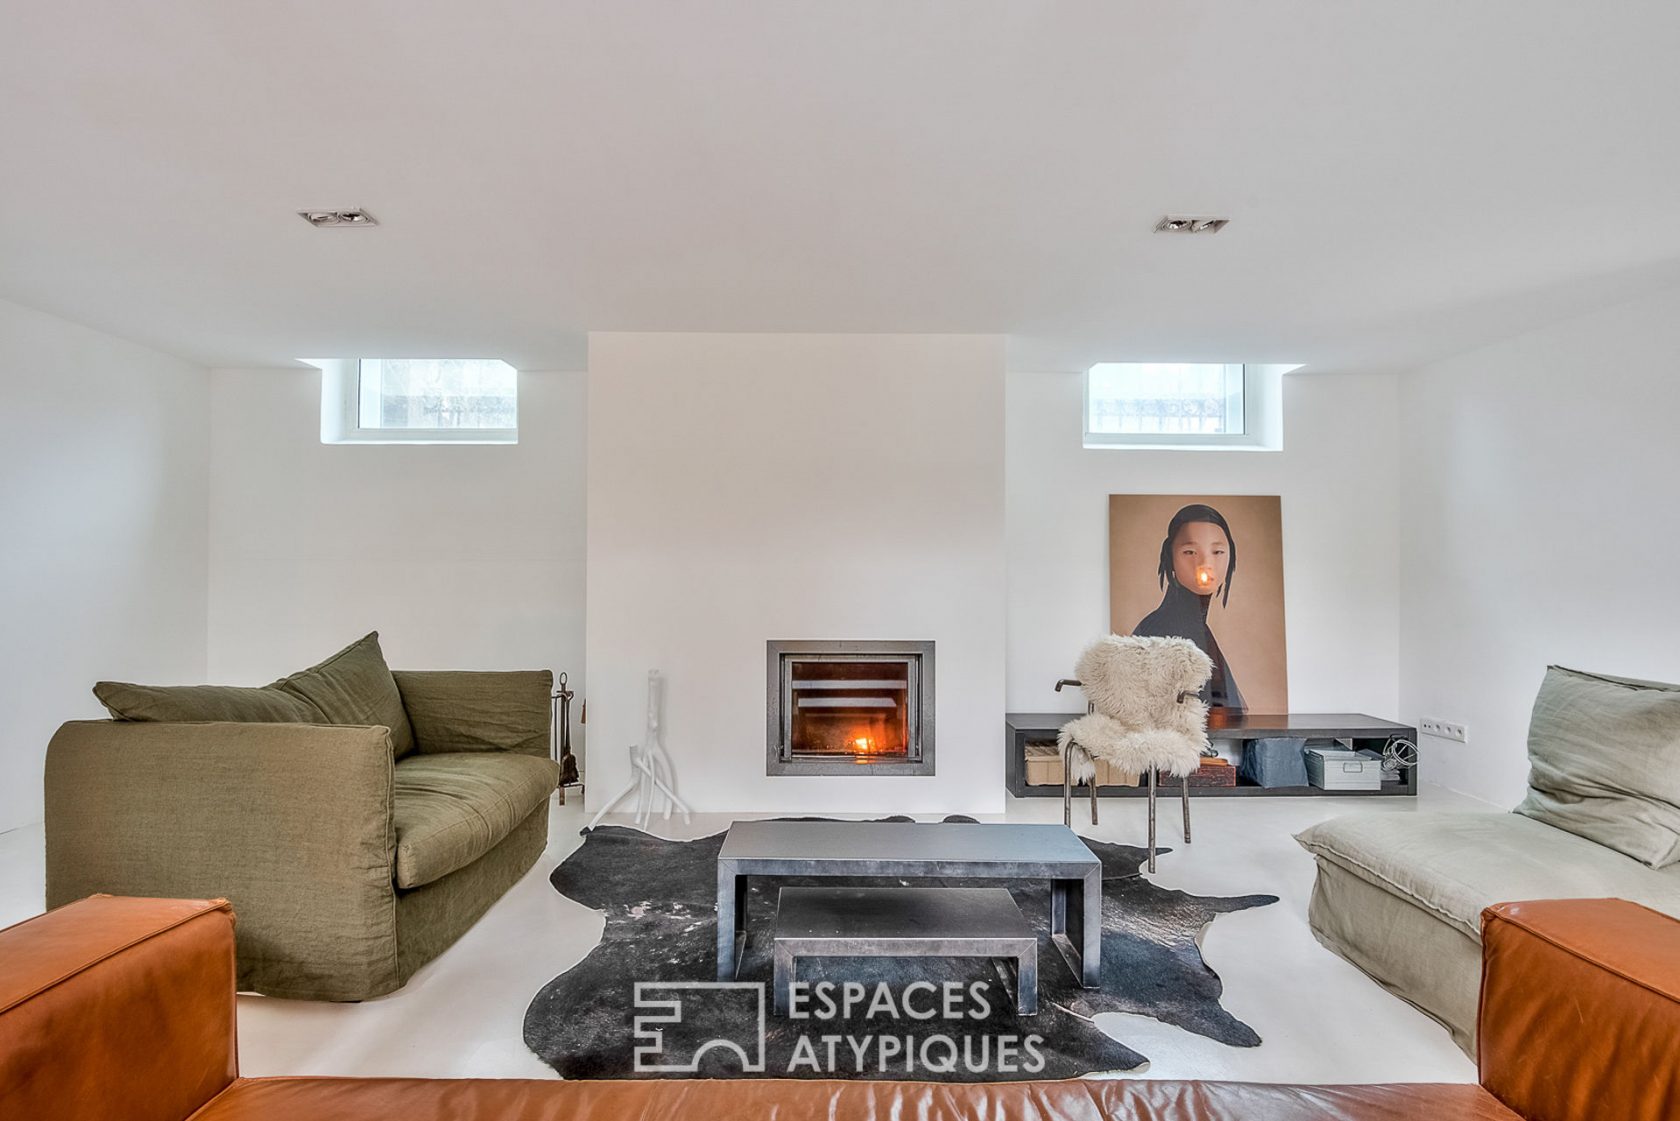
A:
(1145, 717)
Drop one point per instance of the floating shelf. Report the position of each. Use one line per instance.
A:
(1023, 730)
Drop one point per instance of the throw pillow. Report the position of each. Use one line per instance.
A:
(461, 710)
(355, 686)
(1604, 762)
(196, 703)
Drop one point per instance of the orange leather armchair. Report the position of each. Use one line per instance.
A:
(124, 1009)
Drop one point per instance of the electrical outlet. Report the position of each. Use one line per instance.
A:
(1443, 729)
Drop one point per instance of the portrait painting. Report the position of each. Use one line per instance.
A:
(1209, 569)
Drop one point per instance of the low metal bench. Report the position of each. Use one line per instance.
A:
(981, 922)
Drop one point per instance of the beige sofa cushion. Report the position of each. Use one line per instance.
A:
(1604, 762)
(451, 809)
(1455, 864)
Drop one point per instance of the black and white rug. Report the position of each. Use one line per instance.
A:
(659, 898)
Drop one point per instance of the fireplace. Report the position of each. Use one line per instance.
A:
(850, 708)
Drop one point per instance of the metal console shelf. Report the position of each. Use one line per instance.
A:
(1024, 728)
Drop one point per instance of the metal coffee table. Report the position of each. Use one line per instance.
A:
(909, 851)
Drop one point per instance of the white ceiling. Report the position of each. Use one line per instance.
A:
(1404, 179)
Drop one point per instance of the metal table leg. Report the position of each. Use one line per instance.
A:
(731, 919)
(1076, 925)
(781, 977)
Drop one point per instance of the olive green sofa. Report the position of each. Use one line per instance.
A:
(350, 862)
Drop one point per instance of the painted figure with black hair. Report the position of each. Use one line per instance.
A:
(1198, 560)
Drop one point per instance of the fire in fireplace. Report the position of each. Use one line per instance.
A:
(850, 708)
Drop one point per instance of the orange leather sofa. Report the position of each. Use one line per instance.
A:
(123, 1010)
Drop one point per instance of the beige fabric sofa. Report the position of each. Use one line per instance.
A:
(1401, 895)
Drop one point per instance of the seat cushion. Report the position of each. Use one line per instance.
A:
(450, 1099)
(1454, 865)
(355, 686)
(451, 809)
(1604, 762)
(1429, 963)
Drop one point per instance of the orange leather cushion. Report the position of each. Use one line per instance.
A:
(1580, 1015)
(116, 1008)
(415, 1099)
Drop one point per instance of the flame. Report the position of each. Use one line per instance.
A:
(1204, 577)
(863, 745)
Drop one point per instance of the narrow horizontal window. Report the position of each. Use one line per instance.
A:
(1154, 399)
(434, 393)
(420, 400)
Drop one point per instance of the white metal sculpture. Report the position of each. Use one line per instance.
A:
(653, 779)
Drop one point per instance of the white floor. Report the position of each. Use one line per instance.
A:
(1322, 1020)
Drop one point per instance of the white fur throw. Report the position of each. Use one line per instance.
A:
(1140, 724)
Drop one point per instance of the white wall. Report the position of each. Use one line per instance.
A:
(460, 556)
(1542, 526)
(103, 453)
(1337, 475)
(752, 487)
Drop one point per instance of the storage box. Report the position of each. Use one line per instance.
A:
(1275, 761)
(1212, 772)
(1338, 769)
(1108, 775)
(1044, 768)
(1390, 776)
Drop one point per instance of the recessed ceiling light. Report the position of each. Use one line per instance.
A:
(1190, 224)
(324, 218)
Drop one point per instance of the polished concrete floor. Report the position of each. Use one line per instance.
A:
(1321, 1019)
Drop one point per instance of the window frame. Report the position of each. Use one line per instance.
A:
(341, 413)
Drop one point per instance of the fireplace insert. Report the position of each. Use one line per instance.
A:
(847, 708)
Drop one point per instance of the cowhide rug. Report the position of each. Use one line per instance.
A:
(659, 898)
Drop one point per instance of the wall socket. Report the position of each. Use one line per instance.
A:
(1441, 729)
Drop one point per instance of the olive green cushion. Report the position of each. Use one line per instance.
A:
(355, 686)
(196, 704)
(451, 809)
(463, 710)
(1604, 762)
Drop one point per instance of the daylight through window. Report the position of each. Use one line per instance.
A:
(437, 393)
(1163, 399)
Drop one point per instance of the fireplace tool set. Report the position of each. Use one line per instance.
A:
(560, 723)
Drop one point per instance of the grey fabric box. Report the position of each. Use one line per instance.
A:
(1278, 761)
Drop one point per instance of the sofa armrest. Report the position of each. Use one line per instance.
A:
(464, 710)
(117, 1008)
(1580, 1013)
(292, 823)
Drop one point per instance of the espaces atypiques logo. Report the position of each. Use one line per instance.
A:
(843, 1028)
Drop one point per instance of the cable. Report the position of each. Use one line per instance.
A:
(1399, 754)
